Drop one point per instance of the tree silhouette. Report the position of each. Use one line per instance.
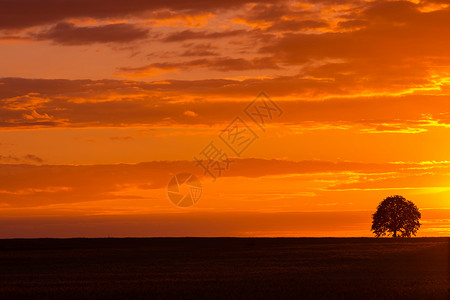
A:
(396, 214)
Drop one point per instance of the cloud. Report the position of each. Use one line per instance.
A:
(34, 115)
(169, 18)
(71, 34)
(224, 64)
(29, 158)
(121, 138)
(280, 16)
(190, 113)
(200, 50)
(24, 185)
(28, 13)
(32, 157)
(29, 101)
(392, 46)
(310, 49)
(135, 191)
(415, 181)
(296, 25)
(193, 35)
(107, 103)
(13, 38)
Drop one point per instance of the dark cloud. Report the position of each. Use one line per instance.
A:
(273, 11)
(70, 34)
(385, 46)
(282, 16)
(393, 31)
(26, 13)
(297, 25)
(29, 158)
(200, 50)
(336, 2)
(224, 64)
(349, 24)
(196, 35)
(32, 157)
(13, 38)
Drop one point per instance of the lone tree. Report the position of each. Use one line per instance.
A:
(395, 215)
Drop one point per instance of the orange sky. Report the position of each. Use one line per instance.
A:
(103, 101)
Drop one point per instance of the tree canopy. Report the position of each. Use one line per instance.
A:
(397, 216)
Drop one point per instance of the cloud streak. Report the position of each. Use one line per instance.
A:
(23, 185)
(27, 13)
(71, 34)
(87, 103)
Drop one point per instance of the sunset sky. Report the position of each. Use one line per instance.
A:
(103, 101)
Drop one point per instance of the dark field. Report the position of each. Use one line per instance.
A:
(224, 268)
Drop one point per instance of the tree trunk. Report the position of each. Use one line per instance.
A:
(395, 233)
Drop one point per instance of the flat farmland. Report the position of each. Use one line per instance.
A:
(224, 268)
